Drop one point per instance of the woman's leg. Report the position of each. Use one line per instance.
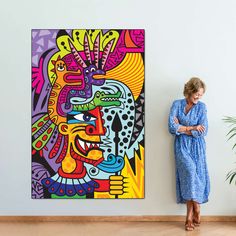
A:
(189, 218)
(196, 213)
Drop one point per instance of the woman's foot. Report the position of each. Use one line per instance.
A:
(196, 214)
(189, 226)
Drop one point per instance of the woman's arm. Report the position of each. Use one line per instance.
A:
(174, 126)
(201, 129)
(187, 129)
(184, 129)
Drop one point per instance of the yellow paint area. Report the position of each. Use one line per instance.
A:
(103, 195)
(94, 155)
(68, 164)
(134, 182)
(78, 130)
(130, 72)
(128, 184)
(77, 40)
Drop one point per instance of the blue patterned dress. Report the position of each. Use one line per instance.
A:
(192, 179)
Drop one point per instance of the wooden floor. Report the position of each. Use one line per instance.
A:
(114, 229)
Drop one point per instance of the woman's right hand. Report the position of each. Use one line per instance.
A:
(176, 120)
(199, 128)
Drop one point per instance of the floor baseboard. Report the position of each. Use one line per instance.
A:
(144, 218)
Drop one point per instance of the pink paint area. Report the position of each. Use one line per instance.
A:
(37, 77)
(74, 78)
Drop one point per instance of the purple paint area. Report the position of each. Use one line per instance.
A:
(42, 40)
(38, 173)
(83, 91)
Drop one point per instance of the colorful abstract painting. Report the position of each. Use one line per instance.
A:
(87, 113)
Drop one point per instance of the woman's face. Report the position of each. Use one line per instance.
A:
(194, 98)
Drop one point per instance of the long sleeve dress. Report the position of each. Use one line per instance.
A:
(192, 179)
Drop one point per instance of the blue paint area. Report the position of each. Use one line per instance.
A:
(112, 164)
(123, 110)
(74, 121)
(60, 187)
(77, 117)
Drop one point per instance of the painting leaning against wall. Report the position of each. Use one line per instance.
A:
(87, 113)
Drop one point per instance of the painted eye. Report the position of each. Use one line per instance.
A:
(60, 68)
(87, 71)
(84, 117)
(92, 69)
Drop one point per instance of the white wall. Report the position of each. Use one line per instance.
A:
(183, 38)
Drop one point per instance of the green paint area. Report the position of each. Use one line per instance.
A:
(100, 99)
(54, 196)
(42, 140)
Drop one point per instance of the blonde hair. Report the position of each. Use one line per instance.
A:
(193, 86)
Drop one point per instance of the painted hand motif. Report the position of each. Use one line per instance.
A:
(117, 185)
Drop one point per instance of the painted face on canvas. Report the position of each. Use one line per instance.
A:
(84, 130)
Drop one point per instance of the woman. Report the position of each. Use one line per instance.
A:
(188, 122)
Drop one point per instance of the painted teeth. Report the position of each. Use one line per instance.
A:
(81, 143)
(86, 145)
(109, 99)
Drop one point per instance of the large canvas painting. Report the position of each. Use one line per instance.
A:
(87, 113)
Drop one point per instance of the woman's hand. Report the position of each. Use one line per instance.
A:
(188, 133)
(176, 120)
(199, 128)
(184, 129)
